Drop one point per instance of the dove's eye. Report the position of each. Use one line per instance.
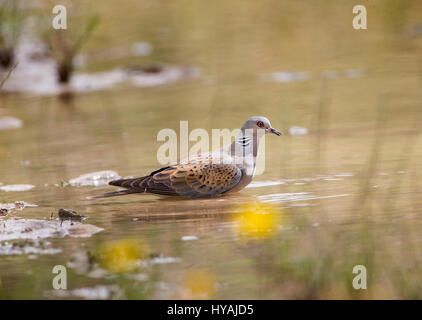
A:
(260, 124)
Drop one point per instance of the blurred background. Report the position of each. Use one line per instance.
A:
(341, 188)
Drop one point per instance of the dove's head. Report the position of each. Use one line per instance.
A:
(256, 123)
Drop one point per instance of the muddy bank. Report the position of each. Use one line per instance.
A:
(36, 73)
(17, 228)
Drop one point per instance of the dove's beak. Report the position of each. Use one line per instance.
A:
(272, 130)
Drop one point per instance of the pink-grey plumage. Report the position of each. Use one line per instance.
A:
(206, 175)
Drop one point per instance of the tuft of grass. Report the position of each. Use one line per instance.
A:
(12, 17)
(64, 45)
(9, 72)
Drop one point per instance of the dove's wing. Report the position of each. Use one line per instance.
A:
(200, 178)
(194, 178)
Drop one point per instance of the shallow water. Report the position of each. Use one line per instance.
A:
(346, 191)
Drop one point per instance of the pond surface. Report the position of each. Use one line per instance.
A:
(341, 188)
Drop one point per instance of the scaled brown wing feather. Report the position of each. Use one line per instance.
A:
(195, 178)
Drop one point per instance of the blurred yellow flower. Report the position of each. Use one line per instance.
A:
(121, 255)
(199, 284)
(258, 220)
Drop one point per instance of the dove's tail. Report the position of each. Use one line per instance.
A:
(112, 194)
(132, 185)
(144, 184)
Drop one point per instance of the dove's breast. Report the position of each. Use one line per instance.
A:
(243, 182)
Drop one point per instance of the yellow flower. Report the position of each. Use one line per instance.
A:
(258, 220)
(121, 255)
(199, 284)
